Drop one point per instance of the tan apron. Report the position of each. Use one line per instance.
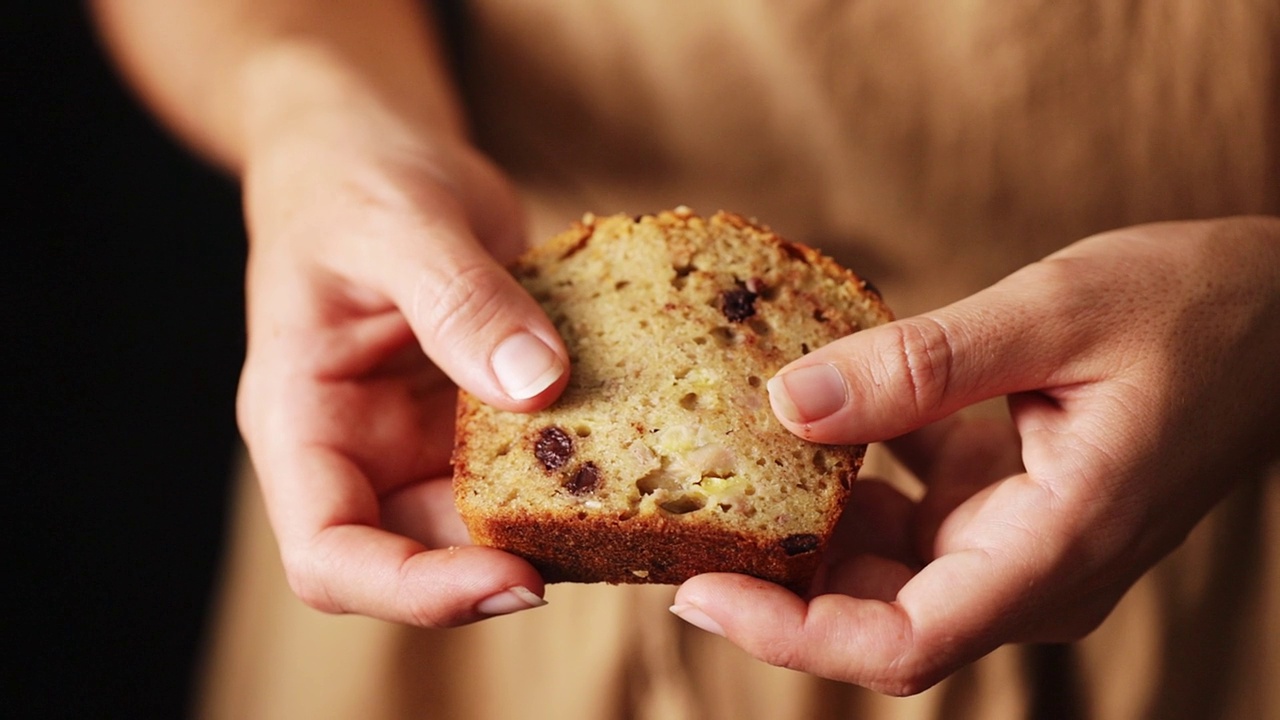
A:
(933, 146)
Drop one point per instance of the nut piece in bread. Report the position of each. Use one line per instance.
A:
(662, 459)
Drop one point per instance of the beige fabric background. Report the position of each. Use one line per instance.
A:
(932, 146)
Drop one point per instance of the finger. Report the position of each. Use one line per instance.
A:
(471, 317)
(957, 609)
(889, 380)
(879, 644)
(920, 450)
(426, 513)
(877, 520)
(873, 531)
(955, 458)
(501, 225)
(337, 558)
(396, 426)
(855, 640)
(957, 447)
(868, 576)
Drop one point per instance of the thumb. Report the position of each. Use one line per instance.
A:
(1021, 334)
(471, 316)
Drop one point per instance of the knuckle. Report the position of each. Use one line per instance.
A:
(909, 685)
(423, 617)
(919, 361)
(244, 408)
(421, 609)
(459, 302)
(918, 665)
(783, 653)
(1056, 283)
(308, 585)
(248, 404)
(910, 678)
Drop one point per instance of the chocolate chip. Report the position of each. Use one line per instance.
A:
(799, 544)
(553, 448)
(585, 480)
(738, 304)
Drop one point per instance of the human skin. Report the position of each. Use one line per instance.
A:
(1143, 383)
(375, 286)
(1139, 366)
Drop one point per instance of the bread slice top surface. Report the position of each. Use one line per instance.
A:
(674, 324)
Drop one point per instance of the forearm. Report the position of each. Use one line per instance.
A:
(226, 75)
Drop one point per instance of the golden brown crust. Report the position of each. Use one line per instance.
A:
(673, 323)
(654, 549)
(645, 549)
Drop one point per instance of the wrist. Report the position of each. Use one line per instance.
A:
(297, 92)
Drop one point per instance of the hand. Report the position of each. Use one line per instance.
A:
(372, 288)
(1141, 375)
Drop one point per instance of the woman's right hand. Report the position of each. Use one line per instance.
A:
(375, 283)
(375, 288)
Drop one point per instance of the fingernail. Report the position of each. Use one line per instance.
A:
(808, 394)
(525, 366)
(508, 601)
(697, 618)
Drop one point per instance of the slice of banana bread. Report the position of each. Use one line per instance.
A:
(663, 459)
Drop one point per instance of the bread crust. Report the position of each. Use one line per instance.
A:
(662, 549)
(565, 512)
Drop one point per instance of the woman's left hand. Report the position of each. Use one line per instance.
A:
(1142, 369)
